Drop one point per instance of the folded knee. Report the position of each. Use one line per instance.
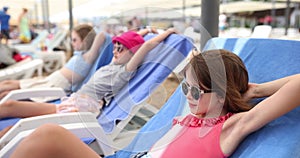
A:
(8, 103)
(49, 131)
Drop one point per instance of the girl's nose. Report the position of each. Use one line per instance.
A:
(189, 96)
(115, 51)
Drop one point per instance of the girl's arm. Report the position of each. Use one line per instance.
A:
(265, 89)
(23, 109)
(92, 54)
(284, 97)
(144, 32)
(138, 57)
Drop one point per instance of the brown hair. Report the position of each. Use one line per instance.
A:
(25, 10)
(222, 72)
(86, 34)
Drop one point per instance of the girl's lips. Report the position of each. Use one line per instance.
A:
(192, 105)
(115, 57)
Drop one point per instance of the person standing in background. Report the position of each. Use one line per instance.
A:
(24, 27)
(222, 23)
(4, 23)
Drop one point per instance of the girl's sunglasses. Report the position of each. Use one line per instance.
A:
(195, 91)
(74, 39)
(119, 48)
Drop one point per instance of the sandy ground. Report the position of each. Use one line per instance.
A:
(164, 91)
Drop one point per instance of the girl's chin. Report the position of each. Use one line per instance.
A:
(194, 109)
(115, 62)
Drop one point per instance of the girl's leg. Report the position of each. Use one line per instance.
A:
(2, 132)
(3, 94)
(23, 109)
(8, 85)
(53, 141)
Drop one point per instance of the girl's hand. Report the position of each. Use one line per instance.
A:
(251, 92)
(152, 30)
(68, 104)
(172, 30)
(63, 108)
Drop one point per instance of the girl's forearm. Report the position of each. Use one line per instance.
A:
(145, 48)
(269, 88)
(23, 109)
(92, 54)
(144, 32)
(156, 40)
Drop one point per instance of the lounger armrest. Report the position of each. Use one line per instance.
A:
(23, 69)
(82, 125)
(25, 47)
(33, 92)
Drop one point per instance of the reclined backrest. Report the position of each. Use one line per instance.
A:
(265, 59)
(58, 38)
(41, 36)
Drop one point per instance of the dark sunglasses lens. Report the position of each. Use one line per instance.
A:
(120, 49)
(195, 93)
(184, 88)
